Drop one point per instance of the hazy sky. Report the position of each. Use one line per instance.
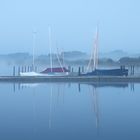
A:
(73, 25)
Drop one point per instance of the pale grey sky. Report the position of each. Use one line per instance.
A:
(73, 25)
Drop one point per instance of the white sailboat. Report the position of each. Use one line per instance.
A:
(32, 73)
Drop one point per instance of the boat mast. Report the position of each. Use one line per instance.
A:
(33, 49)
(50, 46)
(57, 55)
(96, 48)
(63, 57)
(96, 106)
(93, 62)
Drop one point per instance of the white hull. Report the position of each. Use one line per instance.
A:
(42, 74)
(30, 74)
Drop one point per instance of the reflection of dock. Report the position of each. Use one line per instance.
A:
(34, 79)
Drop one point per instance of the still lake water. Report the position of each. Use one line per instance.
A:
(69, 111)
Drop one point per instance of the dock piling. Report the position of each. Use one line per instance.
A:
(82, 69)
(19, 71)
(14, 71)
(132, 70)
(22, 69)
(79, 71)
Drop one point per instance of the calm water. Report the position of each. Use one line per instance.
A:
(66, 111)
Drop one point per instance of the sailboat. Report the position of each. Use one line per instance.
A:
(32, 73)
(122, 71)
(54, 71)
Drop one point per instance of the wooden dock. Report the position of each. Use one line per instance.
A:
(80, 79)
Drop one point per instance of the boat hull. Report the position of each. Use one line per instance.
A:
(30, 74)
(56, 74)
(107, 72)
(43, 74)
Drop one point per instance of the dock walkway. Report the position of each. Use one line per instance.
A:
(38, 79)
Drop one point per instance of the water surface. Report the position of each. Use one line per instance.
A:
(69, 111)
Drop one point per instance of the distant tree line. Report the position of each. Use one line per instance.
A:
(25, 58)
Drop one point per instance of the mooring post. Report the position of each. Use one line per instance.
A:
(82, 68)
(14, 70)
(22, 69)
(28, 69)
(18, 70)
(79, 71)
(133, 69)
(25, 69)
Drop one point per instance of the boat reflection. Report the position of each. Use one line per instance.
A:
(95, 84)
(58, 91)
(93, 90)
(95, 103)
(50, 109)
(103, 84)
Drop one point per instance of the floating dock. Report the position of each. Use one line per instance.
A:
(80, 79)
